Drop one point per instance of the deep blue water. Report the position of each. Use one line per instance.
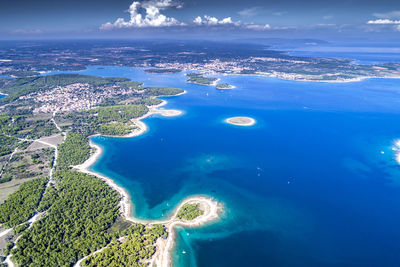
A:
(308, 185)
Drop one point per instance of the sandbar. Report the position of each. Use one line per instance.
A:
(241, 121)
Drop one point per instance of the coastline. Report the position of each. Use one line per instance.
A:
(125, 203)
(358, 79)
(163, 246)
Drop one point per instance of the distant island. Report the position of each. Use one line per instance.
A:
(198, 78)
(241, 121)
(161, 71)
(224, 86)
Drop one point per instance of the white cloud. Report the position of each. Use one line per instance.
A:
(280, 13)
(249, 12)
(388, 15)
(398, 28)
(146, 14)
(383, 21)
(213, 21)
(149, 14)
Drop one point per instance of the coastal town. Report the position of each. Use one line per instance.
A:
(73, 97)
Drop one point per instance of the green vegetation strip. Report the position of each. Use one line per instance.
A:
(138, 246)
(75, 150)
(162, 91)
(81, 209)
(190, 211)
(199, 79)
(21, 205)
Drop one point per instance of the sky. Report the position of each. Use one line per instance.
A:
(124, 18)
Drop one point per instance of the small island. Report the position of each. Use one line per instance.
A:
(198, 78)
(241, 121)
(224, 86)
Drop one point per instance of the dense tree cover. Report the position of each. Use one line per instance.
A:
(20, 228)
(119, 113)
(22, 204)
(74, 151)
(48, 198)
(199, 79)
(7, 144)
(8, 248)
(162, 91)
(117, 128)
(15, 88)
(190, 211)
(137, 246)
(26, 126)
(108, 120)
(82, 209)
(152, 101)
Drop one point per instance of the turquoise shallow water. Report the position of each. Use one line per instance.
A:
(308, 185)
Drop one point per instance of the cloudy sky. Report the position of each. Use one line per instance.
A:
(123, 17)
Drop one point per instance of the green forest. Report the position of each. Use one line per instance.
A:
(162, 91)
(107, 120)
(190, 211)
(137, 246)
(22, 204)
(73, 151)
(80, 210)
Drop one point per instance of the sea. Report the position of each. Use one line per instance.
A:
(314, 182)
